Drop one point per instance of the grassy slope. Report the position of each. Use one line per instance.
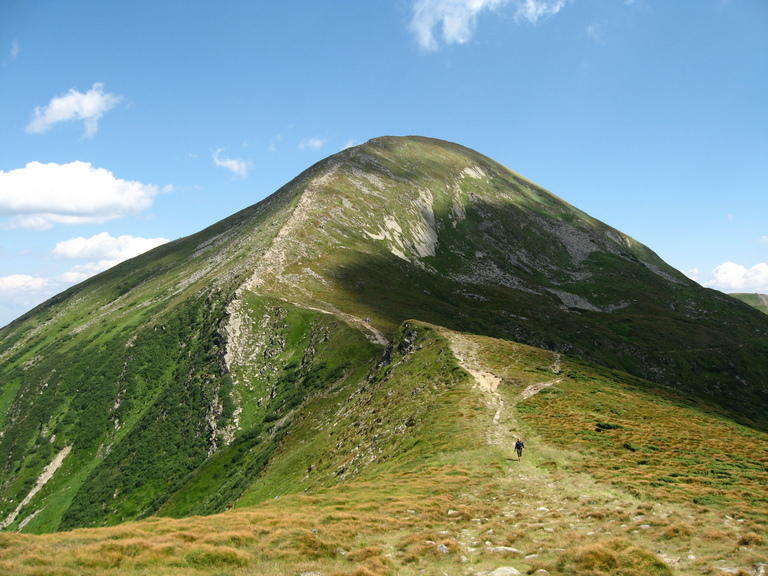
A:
(431, 485)
(759, 301)
(291, 368)
(100, 366)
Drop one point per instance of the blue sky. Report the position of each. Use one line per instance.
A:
(127, 124)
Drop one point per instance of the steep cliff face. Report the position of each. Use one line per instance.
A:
(189, 364)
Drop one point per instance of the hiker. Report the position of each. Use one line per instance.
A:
(519, 448)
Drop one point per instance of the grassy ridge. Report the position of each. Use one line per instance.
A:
(445, 495)
(468, 244)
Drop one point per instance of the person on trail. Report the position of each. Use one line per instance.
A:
(519, 448)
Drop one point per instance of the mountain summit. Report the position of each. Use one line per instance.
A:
(167, 384)
(403, 228)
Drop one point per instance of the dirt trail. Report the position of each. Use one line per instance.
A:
(371, 333)
(538, 387)
(466, 352)
(548, 506)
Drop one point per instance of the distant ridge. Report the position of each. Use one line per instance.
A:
(759, 301)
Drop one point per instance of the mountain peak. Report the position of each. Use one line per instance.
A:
(426, 202)
(189, 363)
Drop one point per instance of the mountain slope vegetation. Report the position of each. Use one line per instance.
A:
(412, 471)
(325, 338)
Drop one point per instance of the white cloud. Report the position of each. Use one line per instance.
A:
(237, 166)
(20, 292)
(349, 144)
(732, 277)
(15, 49)
(74, 105)
(41, 195)
(312, 143)
(105, 251)
(21, 283)
(104, 246)
(457, 18)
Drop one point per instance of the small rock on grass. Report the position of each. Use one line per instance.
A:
(504, 550)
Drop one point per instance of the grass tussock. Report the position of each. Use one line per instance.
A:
(206, 557)
(616, 557)
(677, 531)
(751, 539)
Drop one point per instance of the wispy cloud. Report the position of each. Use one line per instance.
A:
(39, 196)
(274, 142)
(595, 31)
(15, 49)
(237, 166)
(88, 107)
(457, 18)
(533, 10)
(312, 143)
(732, 277)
